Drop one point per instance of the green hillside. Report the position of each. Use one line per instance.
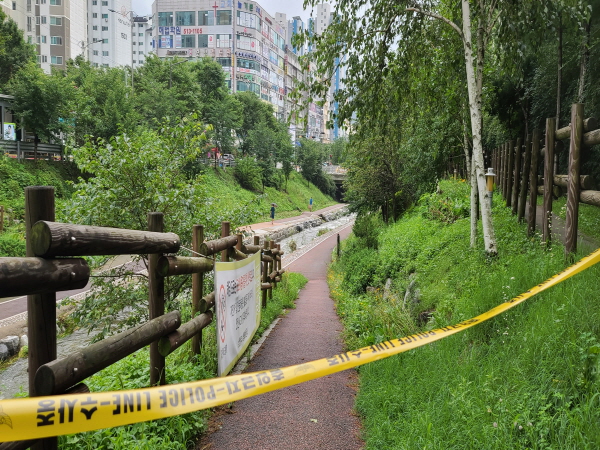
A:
(222, 198)
(527, 379)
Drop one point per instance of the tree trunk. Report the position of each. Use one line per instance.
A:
(474, 209)
(559, 82)
(585, 56)
(476, 118)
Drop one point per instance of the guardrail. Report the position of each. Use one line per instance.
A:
(53, 263)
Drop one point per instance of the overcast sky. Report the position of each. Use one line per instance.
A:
(290, 7)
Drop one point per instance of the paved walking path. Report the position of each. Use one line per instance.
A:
(317, 414)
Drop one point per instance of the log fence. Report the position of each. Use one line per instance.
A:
(517, 168)
(53, 263)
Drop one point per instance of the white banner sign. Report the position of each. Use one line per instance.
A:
(237, 288)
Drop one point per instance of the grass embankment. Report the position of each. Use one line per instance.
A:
(223, 191)
(15, 176)
(178, 432)
(292, 201)
(527, 379)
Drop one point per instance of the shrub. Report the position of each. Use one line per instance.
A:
(12, 244)
(248, 174)
(450, 203)
(367, 227)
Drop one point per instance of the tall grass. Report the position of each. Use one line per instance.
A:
(527, 379)
(178, 432)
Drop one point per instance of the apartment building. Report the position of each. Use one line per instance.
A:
(56, 27)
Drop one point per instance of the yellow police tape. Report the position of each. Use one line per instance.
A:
(40, 417)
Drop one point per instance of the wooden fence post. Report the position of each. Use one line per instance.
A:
(509, 172)
(41, 308)
(548, 179)
(573, 187)
(504, 171)
(197, 286)
(533, 173)
(156, 288)
(516, 178)
(338, 247)
(524, 179)
(265, 267)
(272, 268)
(225, 228)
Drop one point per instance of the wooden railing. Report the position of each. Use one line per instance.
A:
(516, 165)
(53, 263)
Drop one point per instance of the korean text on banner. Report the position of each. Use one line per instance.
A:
(237, 285)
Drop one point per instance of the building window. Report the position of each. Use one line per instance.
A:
(133, 43)
(14, 6)
(203, 40)
(55, 40)
(56, 60)
(206, 18)
(140, 53)
(223, 40)
(95, 27)
(95, 52)
(140, 25)
(104, 41)
(43, 20)
(105, 16)
(105, 65)
(94, 15)
(187, 41)
(44, 58)
(94, 2)
(28, 5)
(224, 17)
(140, 34)
(104, 53)
(29, 24)
(165, 19)
(55, 20)
(104, 28)
(185, 18)
(30, 39)
(140, 43)
(54, 3)
(44, 39)
(225, 62)
(37, 20)
(104, 3)
(134, 52)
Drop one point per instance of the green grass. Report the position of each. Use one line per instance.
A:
(178, 432)
(527, 379)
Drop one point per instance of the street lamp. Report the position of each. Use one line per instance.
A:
(85, 45)
(132, 15)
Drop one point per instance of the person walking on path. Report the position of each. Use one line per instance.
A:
(317, 414)
(310, 203)
(273, 205)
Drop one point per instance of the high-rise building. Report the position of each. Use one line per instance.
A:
(143, 39)
(248, 42)
(56, 27)
(109, 42)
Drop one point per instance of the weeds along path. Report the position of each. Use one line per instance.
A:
(311, 415)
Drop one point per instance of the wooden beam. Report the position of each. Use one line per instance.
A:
(571, 222)
(218, 245)
(156, 301)
(172, 341)
(30, 275)
(585, 181)
(207, 302)
(56, 376)
(51, 239)
(169, 266)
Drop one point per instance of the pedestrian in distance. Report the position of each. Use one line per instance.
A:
(273, 205)
(310, 203)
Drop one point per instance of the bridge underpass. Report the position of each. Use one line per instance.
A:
(339, 175)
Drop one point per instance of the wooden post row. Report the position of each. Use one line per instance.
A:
(156, 289)
(535, 154)
(41, 308)
(516, 178)
(548, 179)
(573, 183)
(197, 286)
(525, 179)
